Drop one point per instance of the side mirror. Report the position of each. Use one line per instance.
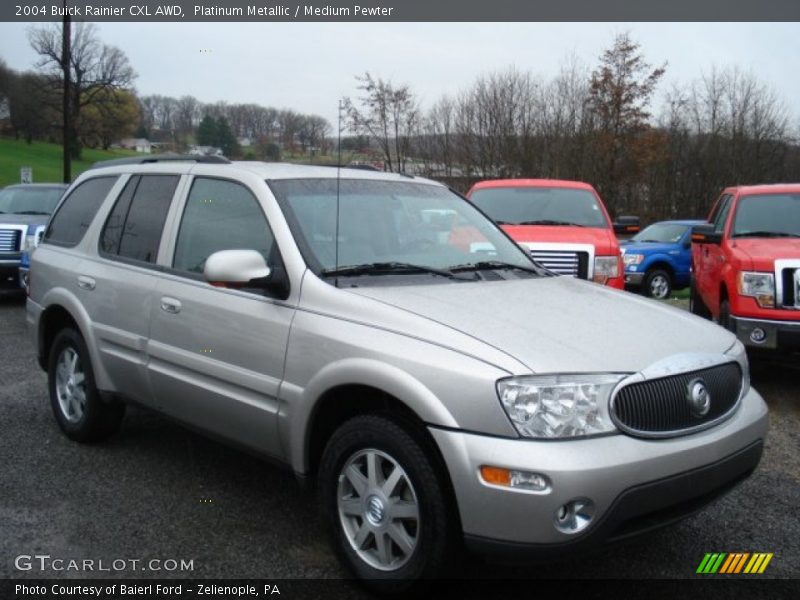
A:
(705, 234)
(626, 225)
(236, 268)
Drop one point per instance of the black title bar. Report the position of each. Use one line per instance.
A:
(401, 10)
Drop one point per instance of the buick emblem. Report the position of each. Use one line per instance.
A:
(698, 397)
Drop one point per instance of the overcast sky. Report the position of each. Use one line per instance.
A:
(309, 66)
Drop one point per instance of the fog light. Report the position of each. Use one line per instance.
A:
(519, 480)
(574, 516)
(758, 335)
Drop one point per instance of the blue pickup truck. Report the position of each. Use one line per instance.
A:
(658, 259)
(24, 212)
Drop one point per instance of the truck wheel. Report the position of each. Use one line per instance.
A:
(725, 315)
(696, 304)
(80, 412)
(657, 284)
(386, 505)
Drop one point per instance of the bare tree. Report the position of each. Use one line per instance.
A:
(388, 114)
(95, 68)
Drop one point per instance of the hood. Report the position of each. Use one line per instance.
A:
(32, 221)
(560, 324)
(764, 251)
(602, 239)
(648, 248)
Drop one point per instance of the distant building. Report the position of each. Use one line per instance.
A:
(139, 144)
(245, 142)
(205, 151)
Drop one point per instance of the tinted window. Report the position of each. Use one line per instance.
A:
(722, 214)
(134, 227)
(540, 206)
(220, 215)
(77, 211)
(112, 231)
(768, 215)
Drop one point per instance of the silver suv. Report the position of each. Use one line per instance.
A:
(379, 334)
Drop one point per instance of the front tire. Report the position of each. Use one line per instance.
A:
(696, 304)
(657, 284)
(386, 505)
(79, 411)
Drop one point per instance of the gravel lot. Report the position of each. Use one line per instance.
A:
(157, 490)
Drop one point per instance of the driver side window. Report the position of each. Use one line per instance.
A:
(220, 215)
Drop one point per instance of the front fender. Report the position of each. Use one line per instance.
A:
(295, 426)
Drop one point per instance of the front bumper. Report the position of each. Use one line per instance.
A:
(634, 279)
(767, 334)
(9, 274)
(635, 484)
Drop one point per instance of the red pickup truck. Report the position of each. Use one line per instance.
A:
(746, 265)
(563, 224)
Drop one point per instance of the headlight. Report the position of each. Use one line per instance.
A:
(760, 286)
(32, 240)
(605, 267)
(558, 406)
(632, 259)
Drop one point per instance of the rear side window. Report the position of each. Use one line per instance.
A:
(76, 213)
(134, 227)
(220, 215)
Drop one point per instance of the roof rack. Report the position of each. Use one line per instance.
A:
(157, 158)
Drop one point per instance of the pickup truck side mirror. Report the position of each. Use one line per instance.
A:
(705, 234)
(236, 268)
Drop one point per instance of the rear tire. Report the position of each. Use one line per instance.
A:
(386, 505)
(79, 411)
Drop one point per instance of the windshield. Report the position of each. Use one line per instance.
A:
(540, 206)
(29, 200)
(667, 233)
(394, 224)
(768, 215)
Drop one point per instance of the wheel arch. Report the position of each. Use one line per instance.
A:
(61, 309)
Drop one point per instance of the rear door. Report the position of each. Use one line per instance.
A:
(216, 355)
(118, 286)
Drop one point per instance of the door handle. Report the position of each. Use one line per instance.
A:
(170, 305)
(86, 283)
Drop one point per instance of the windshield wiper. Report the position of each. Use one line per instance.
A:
(388, 268)
(649, 241)
(31, 212)
(767, 234)
(487, 265)
(550, 222)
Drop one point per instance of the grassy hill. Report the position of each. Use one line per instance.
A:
(45, 159)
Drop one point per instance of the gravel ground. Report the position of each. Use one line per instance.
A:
(157, 490)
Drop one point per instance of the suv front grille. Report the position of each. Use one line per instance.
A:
(662, 407)
(10, 240)
(563, 262)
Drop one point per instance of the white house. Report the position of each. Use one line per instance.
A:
(139, 144)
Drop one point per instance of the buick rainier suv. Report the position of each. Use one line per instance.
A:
(440, 396)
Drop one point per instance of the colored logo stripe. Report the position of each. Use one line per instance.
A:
(734, 562)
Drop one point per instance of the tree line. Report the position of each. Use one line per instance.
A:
(105, 108)
(597, 125)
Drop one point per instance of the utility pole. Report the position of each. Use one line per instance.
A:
(66, 59)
